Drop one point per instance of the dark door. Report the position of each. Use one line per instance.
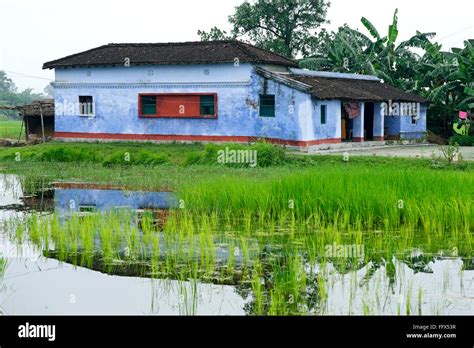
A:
(369, 121)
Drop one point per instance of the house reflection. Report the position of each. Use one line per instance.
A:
(79, 197)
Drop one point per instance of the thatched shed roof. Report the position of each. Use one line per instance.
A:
(38, 107)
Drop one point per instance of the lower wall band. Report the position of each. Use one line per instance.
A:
(204, 138)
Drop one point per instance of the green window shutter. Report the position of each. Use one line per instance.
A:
(267, 105)
(323, 114)
(148, 104)
(207, 105)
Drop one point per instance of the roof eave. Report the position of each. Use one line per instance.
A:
(52, 65)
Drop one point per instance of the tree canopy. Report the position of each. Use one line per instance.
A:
(10, 96)
(287, 27)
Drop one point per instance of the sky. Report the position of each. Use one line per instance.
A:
(36, 31)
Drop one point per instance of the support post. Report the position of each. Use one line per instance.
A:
(42, 124)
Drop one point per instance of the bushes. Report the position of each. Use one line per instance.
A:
(142, 157)
(230, 155)
(61, 154)
(239, 156)
(462, 140)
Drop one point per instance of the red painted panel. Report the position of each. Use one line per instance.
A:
(171, 105)
(178, 105)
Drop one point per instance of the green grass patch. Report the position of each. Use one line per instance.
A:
(10, 129)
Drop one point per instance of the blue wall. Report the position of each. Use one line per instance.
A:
(401, 125)
(332, 128)
(115, 91)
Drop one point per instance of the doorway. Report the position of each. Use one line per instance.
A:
(346, 125)
(369, 121)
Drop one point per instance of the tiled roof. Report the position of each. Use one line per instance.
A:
(202, 52)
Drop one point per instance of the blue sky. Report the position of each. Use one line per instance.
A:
(33, 32)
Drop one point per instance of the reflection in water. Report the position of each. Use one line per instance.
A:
(105, 250)
(73, 198)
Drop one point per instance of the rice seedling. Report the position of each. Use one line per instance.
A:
(245, 233)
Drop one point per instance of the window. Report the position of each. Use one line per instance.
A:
(414, 118)
(267, 105)
(86, 105)
(207, 105)
(323, 114)
(186, 105)
(148, 105)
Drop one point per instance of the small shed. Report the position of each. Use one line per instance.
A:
(38, 118)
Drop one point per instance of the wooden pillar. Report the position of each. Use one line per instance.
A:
(42, 124)
(21, 129)
(27, 128)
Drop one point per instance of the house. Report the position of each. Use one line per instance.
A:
(222, 91)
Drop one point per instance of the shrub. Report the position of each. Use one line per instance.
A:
(66, 154)
(462, 140)
(146, 158)
(193, 158)
(266, 154)
(269, 155)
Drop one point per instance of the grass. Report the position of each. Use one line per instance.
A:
(273, 222)
(10, 129)
(127, 155)
(340, 196)
(365, 193)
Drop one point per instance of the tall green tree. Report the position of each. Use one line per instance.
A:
(9, 95)
(286, 27)
(6, 84)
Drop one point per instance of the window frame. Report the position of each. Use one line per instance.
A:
(156, 115)
(260, 105)
(325, 107)
(141, 97)
(92, 114)
(201, 105)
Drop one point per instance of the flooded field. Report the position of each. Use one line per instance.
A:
(77, 248)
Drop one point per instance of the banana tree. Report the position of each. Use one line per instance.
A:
(448, 78)
(349, 50)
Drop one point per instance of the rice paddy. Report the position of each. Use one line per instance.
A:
(326, 238)
(286, 267)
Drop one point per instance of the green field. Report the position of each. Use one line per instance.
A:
(279, 222)
(364, 191)
(10, 129)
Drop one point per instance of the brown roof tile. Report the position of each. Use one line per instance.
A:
(171, 53)
(354, 89)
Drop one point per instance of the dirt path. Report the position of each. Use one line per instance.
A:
(413, 151)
